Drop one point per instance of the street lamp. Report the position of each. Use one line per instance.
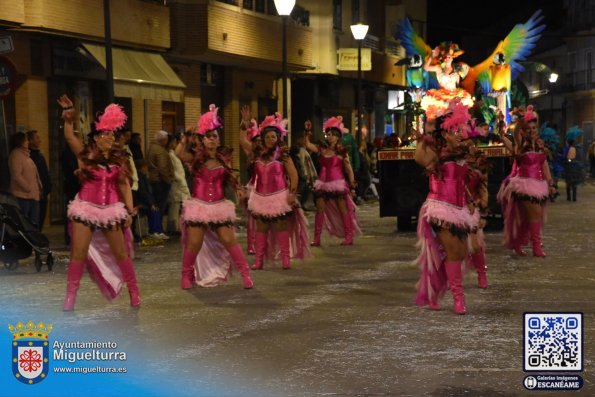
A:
(552, 79)
(359, 32)
(284, 8)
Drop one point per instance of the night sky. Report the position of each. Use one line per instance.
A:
(478, 26)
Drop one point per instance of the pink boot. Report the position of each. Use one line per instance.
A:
(519, 251)
(318, 222)
(250, 236)
(535, 228)
(261, 247)
(478, 260)
(348, 226)
(238, 258)
(455, 279)
(127, 268)
(188, 278)
(73, 280)
(283, 238)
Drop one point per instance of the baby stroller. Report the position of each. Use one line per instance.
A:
(19, 238)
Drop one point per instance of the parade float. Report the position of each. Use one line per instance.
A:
(434, 78)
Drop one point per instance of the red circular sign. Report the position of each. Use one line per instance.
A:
(8, 76)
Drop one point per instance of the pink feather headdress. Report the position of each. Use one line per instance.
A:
(112, 119)
(530, 114)
(277, 121)
(335, 122)
(457, 117)
(209, 121)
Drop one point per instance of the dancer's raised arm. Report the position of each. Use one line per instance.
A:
(69, 115)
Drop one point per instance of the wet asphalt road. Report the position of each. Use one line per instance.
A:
(341, 323)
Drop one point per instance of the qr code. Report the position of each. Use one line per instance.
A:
(553, 342)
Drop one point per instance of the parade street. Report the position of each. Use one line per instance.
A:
(341, 323)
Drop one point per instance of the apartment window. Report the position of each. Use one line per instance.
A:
(337, 15)
(259, 6)
(172, 117)
(355, 12)
(249, 4)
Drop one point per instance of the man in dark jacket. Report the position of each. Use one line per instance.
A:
(42, 170)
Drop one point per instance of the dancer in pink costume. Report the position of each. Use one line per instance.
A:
(527, 192)
(208, 236)
(272, 203)
(477, 190)
(101, 211)
(444, 220)
(335, 209)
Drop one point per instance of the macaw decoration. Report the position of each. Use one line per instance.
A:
(495, 73)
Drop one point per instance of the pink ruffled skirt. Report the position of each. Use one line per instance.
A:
(269, 206)
(196, 212)
(530, 188)
(95, 215)
(336, 187)
(442, 214)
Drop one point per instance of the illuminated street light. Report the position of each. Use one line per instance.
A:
(284, 8)
(553, 77)
(359, 32)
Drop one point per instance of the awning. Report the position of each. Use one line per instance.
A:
(139, 74)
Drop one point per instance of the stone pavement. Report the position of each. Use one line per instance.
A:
(341, 323)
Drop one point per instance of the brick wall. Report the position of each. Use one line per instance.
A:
(132, 21)
(190, 75)
(13, 12)
(256, 35)
(154, 118)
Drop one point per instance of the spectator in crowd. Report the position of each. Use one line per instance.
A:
(306, 171)
(25, 184)
(161, 174)
(364, 176)
(179, 188)
(144, 200)
(42, 170)
(349, 142)
(135, 146)
(71, 185)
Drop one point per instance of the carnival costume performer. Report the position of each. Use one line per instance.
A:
(279, 218)
(101, 211)
(444, 220)
(208, 235)
(335, 209)
(449, 76)
(527, 192)
(477, 190)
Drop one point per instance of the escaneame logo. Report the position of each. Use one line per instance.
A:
(30, 351)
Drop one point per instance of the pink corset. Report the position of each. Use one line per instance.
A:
(270, 177)
(102, 187)
(450, 186)
(530, 165)
(208, 184)
(331, 168)
(474, 182)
